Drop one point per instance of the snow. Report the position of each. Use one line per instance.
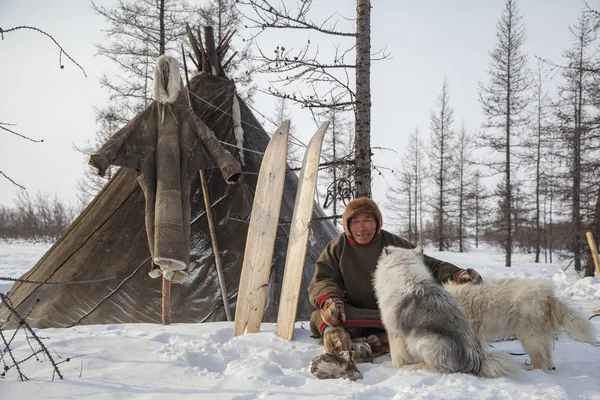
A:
(197, 361)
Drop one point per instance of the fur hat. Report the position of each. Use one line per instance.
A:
(361, 205)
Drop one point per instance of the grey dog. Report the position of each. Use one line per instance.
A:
(422, 320)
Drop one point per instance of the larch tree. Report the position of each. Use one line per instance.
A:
(441, 156)
(404, 198)
(576, 113)
(464, 189)
(537, 150)
(479, 198)
(504, 99)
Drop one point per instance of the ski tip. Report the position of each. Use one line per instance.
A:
(284, 128)
(324, 126)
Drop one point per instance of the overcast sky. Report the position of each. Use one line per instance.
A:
(428, 41)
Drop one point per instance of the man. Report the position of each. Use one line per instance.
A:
(342, 289)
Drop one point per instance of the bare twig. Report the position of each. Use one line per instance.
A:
(11, 181)
(24, 323)
(62, 51)
(18, 134)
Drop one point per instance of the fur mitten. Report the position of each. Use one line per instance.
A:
(468, 275)
(336, 340)
(334, 366)
(332, 312)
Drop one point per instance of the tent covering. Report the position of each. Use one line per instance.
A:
(108, 240)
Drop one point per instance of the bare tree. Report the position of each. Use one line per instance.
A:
(399, 203)
(537, 147)
(139, 32)
(464, 185)
(576, 118)
(441, 158)
(335, 178)
(479, 197)
(504, 100)
(404, 198)
(328, 81)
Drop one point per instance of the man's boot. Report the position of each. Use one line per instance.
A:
(379, 343)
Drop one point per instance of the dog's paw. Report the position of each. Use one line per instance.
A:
(397, 363)
(417, 367)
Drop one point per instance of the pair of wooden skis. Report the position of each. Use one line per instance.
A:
(260, 241)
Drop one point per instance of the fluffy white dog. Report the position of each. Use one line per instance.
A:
(525, 308)
(424, 321)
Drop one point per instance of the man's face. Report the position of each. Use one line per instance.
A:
(362, 227)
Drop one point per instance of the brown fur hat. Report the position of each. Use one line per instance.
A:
(361, 205)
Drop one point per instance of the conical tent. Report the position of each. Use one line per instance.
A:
(108, 240)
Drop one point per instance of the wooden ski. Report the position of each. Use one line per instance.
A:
(260, 242)
(298, 239)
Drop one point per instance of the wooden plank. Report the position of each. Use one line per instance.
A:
(298, 239)
(594, 251)
(260, 242)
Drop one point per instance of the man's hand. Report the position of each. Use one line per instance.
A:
(468, 275)
(332, 312)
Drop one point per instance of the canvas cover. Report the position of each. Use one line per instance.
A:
(108, 240)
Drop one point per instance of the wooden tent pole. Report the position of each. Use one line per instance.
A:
(209, 217)
(594, 251)
(211, 51)
(166, 301)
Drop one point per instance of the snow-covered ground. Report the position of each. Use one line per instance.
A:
(205, 361)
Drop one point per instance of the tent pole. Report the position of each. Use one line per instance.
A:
(166, 301)
(209, 217)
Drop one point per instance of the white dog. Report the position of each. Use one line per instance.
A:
(525, 308)
(424, 321)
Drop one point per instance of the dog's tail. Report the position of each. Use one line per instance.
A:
(572, 321)
(498, 365)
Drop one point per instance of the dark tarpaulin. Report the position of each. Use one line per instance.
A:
(109, 239)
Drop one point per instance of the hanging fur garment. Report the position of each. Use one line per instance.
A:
(167, 150)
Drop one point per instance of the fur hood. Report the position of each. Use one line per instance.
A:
(361, 205)
(166, 67)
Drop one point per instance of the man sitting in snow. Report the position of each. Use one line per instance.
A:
(342, 290)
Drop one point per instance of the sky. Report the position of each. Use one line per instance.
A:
(427, 40)
(205, 361)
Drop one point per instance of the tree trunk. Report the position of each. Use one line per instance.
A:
(508, 199)
(162, 27)
(538, 233)
(363, 99)
(576, 186)
(334, 151)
